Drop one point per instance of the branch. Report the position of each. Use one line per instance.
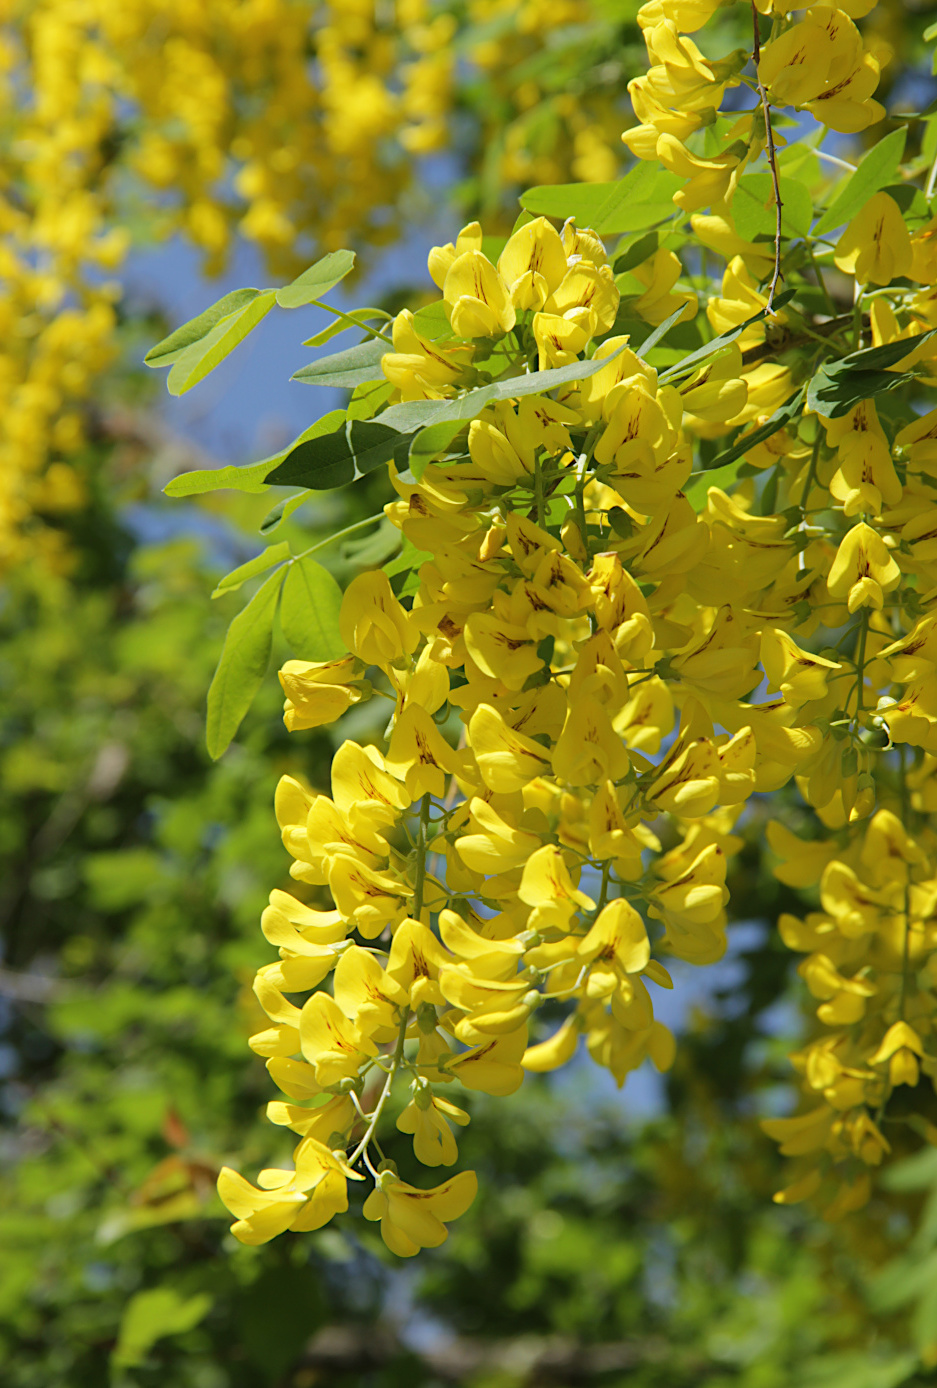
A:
(772, 160)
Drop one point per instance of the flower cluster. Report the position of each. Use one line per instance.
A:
(602, 654)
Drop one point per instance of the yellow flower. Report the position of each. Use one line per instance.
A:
(799, 675)
(372, 622)
(876, 245)
(301, 1200)
(426, 1118)
(330, 1042)
(477, 297)
(412, 1219)
(863, 570)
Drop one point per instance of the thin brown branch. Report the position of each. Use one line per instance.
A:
(772, 161)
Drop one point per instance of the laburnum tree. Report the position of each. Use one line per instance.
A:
(667, 542)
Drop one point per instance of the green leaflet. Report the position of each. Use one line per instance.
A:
(430, 442)
(336, 458)
(695, 359)
(875, 171)
(660, 332)
(753, 207)
(172, 347)
(253, 477)
(242, 666)
(197, 347)
(725, 467)
(258, 565)
(282, 511)
(420, 414)
(345, 369)
(151, 1315)
(356, 318)
(309, 609)
(208, 351)
(317, 280)
(641, 199)
(839, 385)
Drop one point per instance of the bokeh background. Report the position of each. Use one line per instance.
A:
(153, 154)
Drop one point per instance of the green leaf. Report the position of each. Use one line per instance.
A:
(753, 207)
(339, 457)
(374, 550)
(356, 318)
(839, 385)
(409, 558)
(345, 369)
(195, 363)
(172, 347)
(150, 1316)
(420, 414)
(258, 565)
(213, 479)
(242, 666)
(701, 354)
(876, 169)
(660, 332)
(282, 511)
(432, 320)
(309, 611)
(641, 199)
(253, 477)
(430, 442)
(368, 398)
(720, 473)
(317, 280)
(636, 254)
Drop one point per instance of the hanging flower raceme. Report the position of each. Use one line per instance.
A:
(601, 653)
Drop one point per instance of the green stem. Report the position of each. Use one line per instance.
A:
(538, 491)
(339, 535)
(353, 322)
(811, 471)
(397, 1058)
(422, 835)
(860, 661)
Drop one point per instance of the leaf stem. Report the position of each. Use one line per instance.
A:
(772, 161)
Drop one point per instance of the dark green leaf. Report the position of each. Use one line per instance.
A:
(839, 385)
(195, 363)
(346, 369)
(173, 346)
(835, 395)
(317, 280)
(258, 565)
(337, 458)
(242, 666)
(875, 171)
(309, 611)
(636, 254)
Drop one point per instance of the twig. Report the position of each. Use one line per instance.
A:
(772, 162)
